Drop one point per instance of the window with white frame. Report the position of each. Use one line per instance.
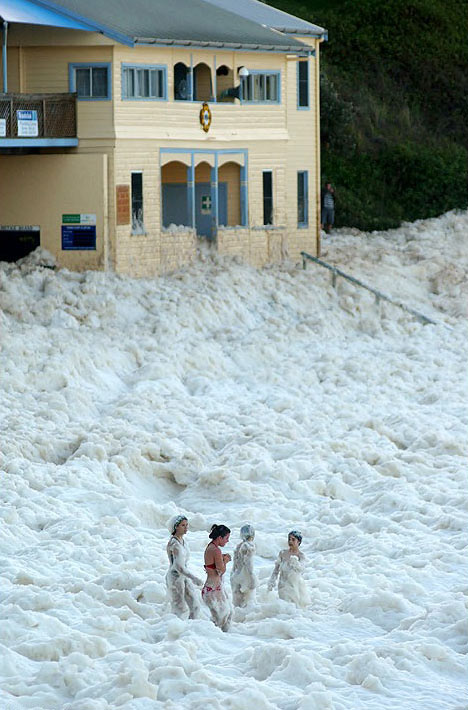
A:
(90, 81)
(261, 87)
(143, 82)
(137, 203)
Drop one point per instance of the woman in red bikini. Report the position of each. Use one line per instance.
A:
(213, 593)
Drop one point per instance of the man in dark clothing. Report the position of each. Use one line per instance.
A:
(328, 207)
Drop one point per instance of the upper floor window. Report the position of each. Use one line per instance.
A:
(261, 87)
(91, 81)
(144, 82)
(303, 84)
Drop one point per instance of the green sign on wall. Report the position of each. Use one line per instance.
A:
(206, 204)
(83, 218)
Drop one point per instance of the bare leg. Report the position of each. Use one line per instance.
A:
(226, 621)
(220, 608)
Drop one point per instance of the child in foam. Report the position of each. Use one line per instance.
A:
(180, 581)
(289, 566)
(243, 580)
(213, 593)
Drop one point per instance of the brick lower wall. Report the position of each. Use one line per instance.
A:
(150, 255)
(254, 246)
(178, 248)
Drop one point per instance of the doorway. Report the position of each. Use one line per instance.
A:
(18, 242)
(203, 208)
(175, 208)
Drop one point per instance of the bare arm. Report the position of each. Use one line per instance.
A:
(220, 561)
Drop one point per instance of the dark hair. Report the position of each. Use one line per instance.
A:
(218, 531)
(296, 534)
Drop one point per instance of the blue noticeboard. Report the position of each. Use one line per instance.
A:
(78, 236)
(26, 115)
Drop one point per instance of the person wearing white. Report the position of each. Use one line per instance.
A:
(243, 579)
(179, 580)
(289, 567)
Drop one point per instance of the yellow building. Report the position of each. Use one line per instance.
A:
(130, 131)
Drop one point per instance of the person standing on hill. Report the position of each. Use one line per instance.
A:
(328, 207)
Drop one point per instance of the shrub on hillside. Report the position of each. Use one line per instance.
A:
(398, 183)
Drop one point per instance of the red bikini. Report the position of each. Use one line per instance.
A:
(212, 565)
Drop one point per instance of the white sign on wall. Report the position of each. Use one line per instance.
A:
(2, 127)
(27, 123)
(19, 228)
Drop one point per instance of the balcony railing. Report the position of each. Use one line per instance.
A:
(26, 117)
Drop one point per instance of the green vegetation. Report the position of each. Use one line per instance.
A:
(394, 106)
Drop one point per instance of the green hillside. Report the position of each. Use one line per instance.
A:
(394, 106)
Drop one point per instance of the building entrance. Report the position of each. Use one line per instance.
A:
(203, 208)
(175, 208)
(18, 241)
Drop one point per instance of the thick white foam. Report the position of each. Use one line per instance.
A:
(235, 395)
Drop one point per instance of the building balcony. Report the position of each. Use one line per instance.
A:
(37, 121)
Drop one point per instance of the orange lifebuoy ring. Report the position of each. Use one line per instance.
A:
(205, 117)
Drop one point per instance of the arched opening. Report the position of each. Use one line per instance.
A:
(203, 172)
(175, 204)
(204, 191)
(229, 175)
(202, 85)
(181, 82)
(225, 90)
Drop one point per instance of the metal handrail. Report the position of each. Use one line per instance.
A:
(378, 294)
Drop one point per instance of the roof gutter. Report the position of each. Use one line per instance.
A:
(296, 48)
(318, 33)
